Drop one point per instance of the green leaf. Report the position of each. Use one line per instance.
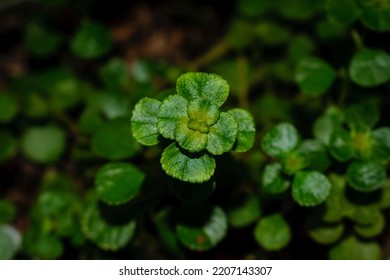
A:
(366, 176)
(310, 188)
(201, 227)
(144, 121)
(7, 145)
(90, 120)
(362, 114)
(384, 202)
(253, 8)
(362, 142)
(273, 180)
(192, 140)
(193, 193)
(106, 236)
(34, 105)
(117, 183)
(115, 74)
(325, 125)
(173, 111)
(299, 10)
(294, 162)
(240, 34)
(203, 85)
(113, 140)
(9, 107)
(40, 40)
(365, 215)
(113, 104)
(280, 140)
(203, 111)
(271, 33)
(272, 233)
(10, 240)
(7, 211)
(44, 144)
(222, 135)
(353, 249)
(299, 48)
(381, 144)
(243, 210)
(194, 168)
(371, 230)
(342, 12)
(376, 15)
(314, 76)
(340, 145)
(327, 233)
(369, 68)
(246, 130)
(45, 247)
(317, 154)
(91, 41)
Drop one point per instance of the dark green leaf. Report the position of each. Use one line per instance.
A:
(115, 74)
(272, 232)
(280, 140)
(314, 76)
(91, 41)
(246, 130)
(113, 140)
(325, 125)
(366, 114)
(117, 183)
(243, 210)
(273, 180)
(7, 211)
(9, 107)
(340, 145)
(253, 8)
(317, 154)
(7, 145)
(40, 40)
(310, 188)
(376, 15)
(381, 144)
(342, 11)
(366, 176)
(44, 144)
(370, 68)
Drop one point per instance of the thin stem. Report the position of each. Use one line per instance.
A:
(344, 87)
(357, 39)
(213, 54)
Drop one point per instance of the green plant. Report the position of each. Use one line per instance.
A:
(192, 118)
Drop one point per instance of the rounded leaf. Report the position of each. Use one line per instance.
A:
(222, 135)
(190, 139)
(10, 241)
(243, 210)
(294, 162)
(144, 121)
(340, 145)
(380, 144)
(310, 188)
(362, 114)
(317, 154)
(325, 125)
(40, 40)
(314, 76)
(353, 249)
(9, 107)
(342, 12)
(106, 236)
(46, 247)
(326, 234)
(366, 176)
(44, 144)
(201, 227)
(117, 183)
(273, 180)
(113, 140)
(376, 15)
(173, 111)
(280, 140)
(246, 130)
(91, 40)
(203, 86)
(203, 111)
(370, 68)
(7, 146)
(193, 168)
(371, 230)
(272, 233)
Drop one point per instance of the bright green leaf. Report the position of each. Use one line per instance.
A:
(353, 249)
(340, 145)
(194, 168)
(144, 121)
(314, 76)
(272, 232)
(173, 111)
(243, 210)
(294, 162)
(222, 135)
(193, 140)
(326, 234)
(310, 188)
(280, 140)
(366, 176)
(117, 183)
(203, 85)
(44, 144)
(371, 230)
(246, 130)
(370, 68)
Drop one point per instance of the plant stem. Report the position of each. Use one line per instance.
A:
(344, 87)
(357, 39)
(217, 51)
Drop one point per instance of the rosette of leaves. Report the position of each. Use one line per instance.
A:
(296, 165)
(350, 137)
(193, 119)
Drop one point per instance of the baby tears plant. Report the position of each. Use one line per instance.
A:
(193, 119)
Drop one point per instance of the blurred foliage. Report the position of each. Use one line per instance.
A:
(76, 184)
